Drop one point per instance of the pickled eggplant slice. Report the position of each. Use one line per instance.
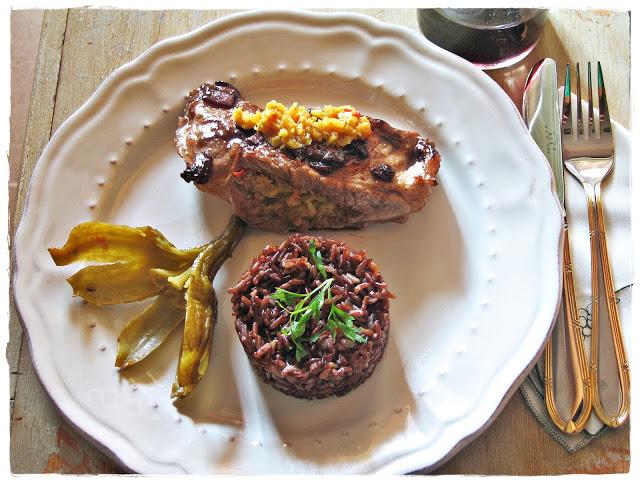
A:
(132, 252)
(144, 333)
(170, 279)
(109, 243)
(111, 284)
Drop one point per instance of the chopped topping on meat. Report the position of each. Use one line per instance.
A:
(357, 148)
(423, 150)
(219, 95)
(296, 126)
(200, 170)
(384, 172)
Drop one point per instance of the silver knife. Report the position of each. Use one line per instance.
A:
(541, 112)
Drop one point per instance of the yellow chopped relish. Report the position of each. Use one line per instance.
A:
(295, 126)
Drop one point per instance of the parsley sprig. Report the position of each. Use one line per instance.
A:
(317, 259)
(343, 321)
(303, 307)
(307, 308)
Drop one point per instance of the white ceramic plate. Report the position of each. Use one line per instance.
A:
(476, 273)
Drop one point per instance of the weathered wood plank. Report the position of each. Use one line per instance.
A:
(98, 41)
(516, 444)
(43, 100)
(36, 136)
(27, 25)
(30, 408)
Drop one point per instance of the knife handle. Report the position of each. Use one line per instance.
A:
(583, 394)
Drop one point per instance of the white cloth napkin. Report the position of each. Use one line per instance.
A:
(617, 205)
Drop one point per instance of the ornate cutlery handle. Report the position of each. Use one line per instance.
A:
(582, 401)
(598, 235)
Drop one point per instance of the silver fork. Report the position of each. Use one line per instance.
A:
(589, 156)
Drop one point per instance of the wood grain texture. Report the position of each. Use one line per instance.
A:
(516, 444)
(79, 49)
(36, 135)
(26, 26)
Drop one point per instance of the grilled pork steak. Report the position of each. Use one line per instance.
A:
(385, 177)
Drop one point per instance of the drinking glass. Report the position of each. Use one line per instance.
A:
(490, 38)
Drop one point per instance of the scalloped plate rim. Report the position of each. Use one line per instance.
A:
(122, 451)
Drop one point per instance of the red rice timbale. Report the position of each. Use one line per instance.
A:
(332, 366)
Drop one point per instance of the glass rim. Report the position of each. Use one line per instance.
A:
(528, 15)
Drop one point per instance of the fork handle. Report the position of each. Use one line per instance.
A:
(582, 401)
(598, 236)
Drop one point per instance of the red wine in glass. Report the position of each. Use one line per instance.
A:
(490, 38)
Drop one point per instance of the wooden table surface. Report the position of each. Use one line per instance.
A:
(79, 47)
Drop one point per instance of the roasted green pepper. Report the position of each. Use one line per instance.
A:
(142, 264)
(202, 310)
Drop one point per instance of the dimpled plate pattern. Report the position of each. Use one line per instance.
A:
(476, 273)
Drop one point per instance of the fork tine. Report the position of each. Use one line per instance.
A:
(567, 125)
(579, 101)
(605, 121)
(592, 126)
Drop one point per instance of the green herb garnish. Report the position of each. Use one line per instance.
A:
(317, 259)
(307, 306)
(343, 321)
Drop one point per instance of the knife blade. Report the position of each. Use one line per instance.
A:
(541, 113)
